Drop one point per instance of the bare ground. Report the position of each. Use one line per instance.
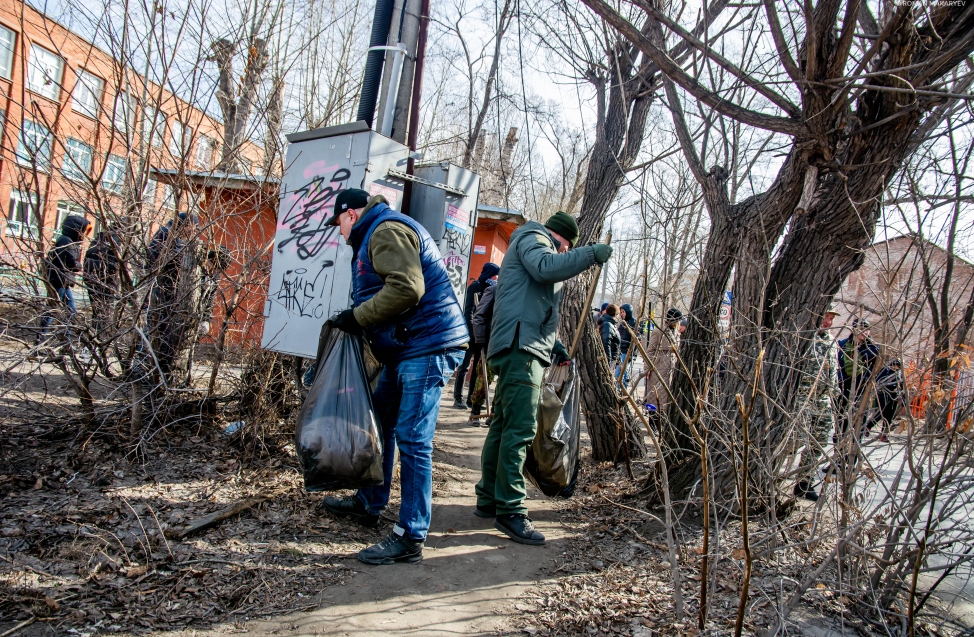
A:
(83, 549)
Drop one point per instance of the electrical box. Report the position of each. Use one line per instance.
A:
(311, 271)
(444, 200)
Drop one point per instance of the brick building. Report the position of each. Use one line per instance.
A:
(81, 133)
(889, 291)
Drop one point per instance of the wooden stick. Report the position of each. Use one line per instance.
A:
(215, 518)
(588, 303)
(23, 624)
(483, 373)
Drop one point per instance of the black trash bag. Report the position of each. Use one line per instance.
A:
(553, 458)
(337, 435)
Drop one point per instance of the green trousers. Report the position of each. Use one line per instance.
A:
(512, 429)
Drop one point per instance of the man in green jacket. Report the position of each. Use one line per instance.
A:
(523, 336)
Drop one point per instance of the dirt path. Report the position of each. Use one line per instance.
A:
(471, 579)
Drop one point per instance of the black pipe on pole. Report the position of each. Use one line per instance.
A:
(381, 22)
(413, 136)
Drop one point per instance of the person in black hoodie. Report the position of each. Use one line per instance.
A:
(165, 319)
(889, 392)
(101, 280)
(488, 276)
(626, 339)
(610, 334)
(63, 263)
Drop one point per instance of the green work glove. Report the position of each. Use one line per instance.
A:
(559, 355)
(602, 252)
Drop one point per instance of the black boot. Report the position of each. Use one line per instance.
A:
(395, 547)
(519, 528)
(351, 506)
(804, 490)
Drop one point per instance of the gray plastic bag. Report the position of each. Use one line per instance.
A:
(337, 435)
(553, 457)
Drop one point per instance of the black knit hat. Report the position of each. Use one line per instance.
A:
(564, 224)
(673, 315)
(348, 199)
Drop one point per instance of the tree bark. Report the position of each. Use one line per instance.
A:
(623, 107)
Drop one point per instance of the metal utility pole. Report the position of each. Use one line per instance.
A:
(398, 81)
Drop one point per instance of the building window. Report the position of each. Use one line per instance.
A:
(153, 127)
(88, 90)
(44, 72)
(176, 141)
(205, 150)
(114, 177)
(7, 39)
(149, 193)
(123, 112)
(23, 214)
(169, 197)
(77, 160)
(34, 146)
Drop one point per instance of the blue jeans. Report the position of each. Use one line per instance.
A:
(65, 296)
(407, 402)
(622, 366)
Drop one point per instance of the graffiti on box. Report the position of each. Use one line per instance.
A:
(303, 294)
(308, 207)
(456, 266)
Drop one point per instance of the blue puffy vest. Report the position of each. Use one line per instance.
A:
(436, 324)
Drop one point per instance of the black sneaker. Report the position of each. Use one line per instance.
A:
(459, 404)
(395, 547)
(519, 528)
(485, 512)
(351, 506)
(805, 490)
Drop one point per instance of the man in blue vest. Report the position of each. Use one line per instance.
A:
(404, 305)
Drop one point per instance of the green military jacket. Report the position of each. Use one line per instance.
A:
(529, 291)
(820, 373)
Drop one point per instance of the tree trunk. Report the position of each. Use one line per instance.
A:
(620, 128)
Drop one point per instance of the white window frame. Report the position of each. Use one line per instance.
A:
(168, 197)
(154, 127)
(45, 71)
(8, 39)
(87, 94)
(205, 152)
(149, 192)
(78, 157)
(123, 112)
(40, 152)
(114, 167)
(16, 228)
(178, 132)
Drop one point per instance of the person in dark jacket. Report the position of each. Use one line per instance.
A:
(889, 392)
(101, 281)
(404, 305)
(626, 316)
(609, 332)
(166, 321)
(601, 316)
(488, 276)
(857, 354)
(481, 337)
(523, 339)
(62, 265)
